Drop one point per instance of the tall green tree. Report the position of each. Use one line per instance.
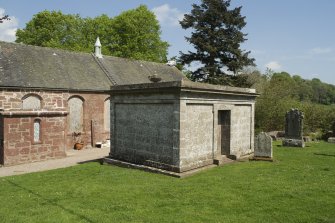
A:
(136, 34)
(216, 37)
(133, 34)
(3, 18)
(52, 29)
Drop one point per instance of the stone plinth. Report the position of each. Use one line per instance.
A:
(294, 142)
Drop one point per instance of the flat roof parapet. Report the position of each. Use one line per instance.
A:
(183, 85)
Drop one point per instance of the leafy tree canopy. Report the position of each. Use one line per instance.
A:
(281, 92)
(216, 38)
(136, 34)
(3, 18)
(133, 34)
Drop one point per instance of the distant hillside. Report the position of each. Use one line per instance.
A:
(281, 91)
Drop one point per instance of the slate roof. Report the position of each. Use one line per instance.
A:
(24, 66)
(126, 71)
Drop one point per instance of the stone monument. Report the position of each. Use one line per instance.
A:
(332, 139)
(294, 128)
(263, 147)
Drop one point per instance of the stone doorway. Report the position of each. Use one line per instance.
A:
(224, 131)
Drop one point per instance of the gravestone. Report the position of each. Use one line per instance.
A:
(294, 128)
(263, 146)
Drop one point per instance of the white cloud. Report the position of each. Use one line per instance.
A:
(8, 27)
(319, 50)
(273, 65)
(167, 15)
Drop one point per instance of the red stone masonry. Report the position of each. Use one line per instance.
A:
(17, 144)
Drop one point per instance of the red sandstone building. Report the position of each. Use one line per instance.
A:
(50, 98)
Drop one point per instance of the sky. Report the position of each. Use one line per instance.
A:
(296, 36)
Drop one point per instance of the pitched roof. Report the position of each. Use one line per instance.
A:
(24, 66)
(127, 71)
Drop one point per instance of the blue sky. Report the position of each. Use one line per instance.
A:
(296, 36)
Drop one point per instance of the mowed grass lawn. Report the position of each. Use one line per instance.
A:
(298, 187)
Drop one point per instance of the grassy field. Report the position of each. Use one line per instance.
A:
(298, 187)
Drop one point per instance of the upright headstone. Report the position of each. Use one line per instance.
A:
(263, 146)
(294, 128)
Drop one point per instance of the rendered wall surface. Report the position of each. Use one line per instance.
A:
(144, 132)
(178, 132)
(241, 127)
(200, 128)
(197, 136)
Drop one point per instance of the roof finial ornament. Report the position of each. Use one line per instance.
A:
(97, 46)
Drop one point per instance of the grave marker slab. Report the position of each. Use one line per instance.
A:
(294, 128)
(263, 146)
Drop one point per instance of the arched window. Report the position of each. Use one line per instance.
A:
(31, 102)
(107, 114)
(76, 114)
(37, 130)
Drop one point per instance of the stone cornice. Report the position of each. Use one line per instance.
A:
(38, 113)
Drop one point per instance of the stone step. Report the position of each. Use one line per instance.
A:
(223, 160)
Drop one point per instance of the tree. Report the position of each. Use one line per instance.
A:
(136, 34)
(216, 38)
(133, 34)
(3, 18)
(52, 29)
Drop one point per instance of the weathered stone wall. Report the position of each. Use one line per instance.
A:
(12, 99)
(93, 120)
(196, 136)
(144, 132)
(200, 130)
(137, 118)
(19, 145)
(241, 130)
(1, 140)
(93, 129)
(146, 129)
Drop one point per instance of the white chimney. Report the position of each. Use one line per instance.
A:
(97, 47)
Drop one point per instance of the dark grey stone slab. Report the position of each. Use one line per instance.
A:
(263, 145)
(294, 128)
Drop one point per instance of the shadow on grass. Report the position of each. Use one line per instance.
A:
(82, 217)
(323, 154)
(100, 161)
(296, 147)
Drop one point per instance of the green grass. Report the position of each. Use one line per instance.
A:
(298, 187)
